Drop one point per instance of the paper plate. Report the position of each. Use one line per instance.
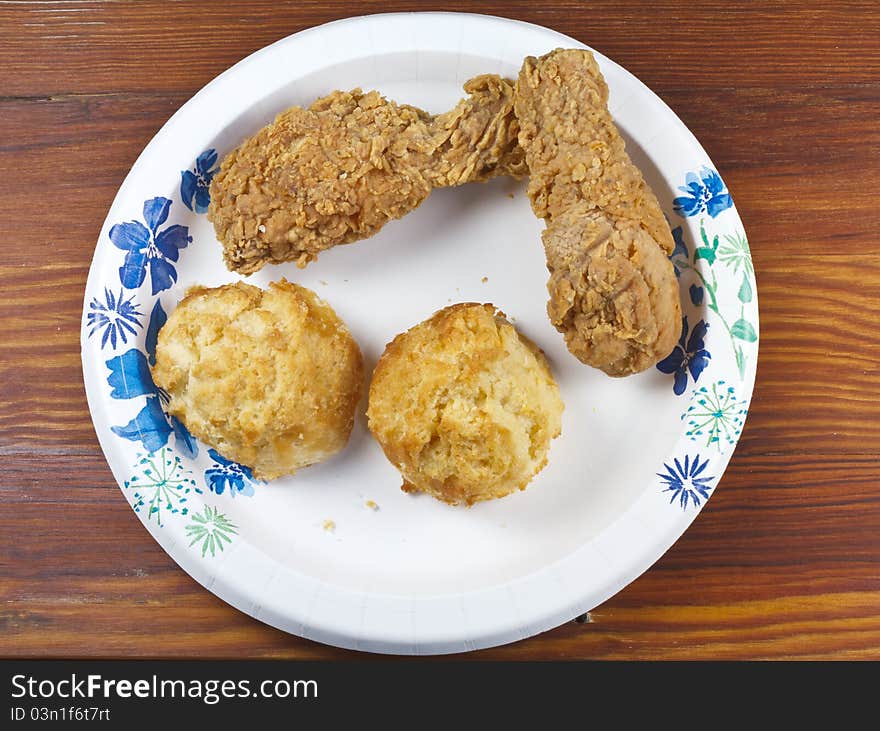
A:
(637, 459)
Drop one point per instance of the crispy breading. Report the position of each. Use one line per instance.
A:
(268, 378)
(613, 292)
(318, 177)
(464, 406)
(340, 170)
(477, 140)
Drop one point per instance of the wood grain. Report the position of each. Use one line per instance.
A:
(112, 46)
(783, 562)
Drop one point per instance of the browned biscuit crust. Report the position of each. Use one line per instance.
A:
(464, 406)
(269, 378)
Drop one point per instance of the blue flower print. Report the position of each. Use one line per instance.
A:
(686, 481)
(692, 356)
(149, 248)
(704, 192)
(680, 249)
(116, 316)
(195, 184)
(157, 319)
(226, 473)
(129, 378)
(696, 294)
(680, 245)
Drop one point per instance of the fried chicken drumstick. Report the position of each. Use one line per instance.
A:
(613, 292)
(341, 169)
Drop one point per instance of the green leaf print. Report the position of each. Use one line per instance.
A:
(743, 330)
(708, 250)
(745, 290)
(210, 529)
(740, 361)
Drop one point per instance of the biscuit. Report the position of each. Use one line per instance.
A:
(464, 406)
(269, 378)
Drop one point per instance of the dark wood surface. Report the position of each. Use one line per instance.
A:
(784, 562)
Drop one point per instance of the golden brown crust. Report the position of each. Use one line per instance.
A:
(318, 177)
(613, 292)
(464, 406)
(477, 140)
(269, 378)
(340, 170)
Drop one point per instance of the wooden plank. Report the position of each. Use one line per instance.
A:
(89, 47)
(764, 571)
(830, 404)
(81, 147)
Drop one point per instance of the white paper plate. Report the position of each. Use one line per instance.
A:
(636, 460)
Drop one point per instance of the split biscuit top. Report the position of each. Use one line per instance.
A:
(269, 378)
(464, 406)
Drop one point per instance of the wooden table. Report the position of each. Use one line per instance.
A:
(784, 562)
